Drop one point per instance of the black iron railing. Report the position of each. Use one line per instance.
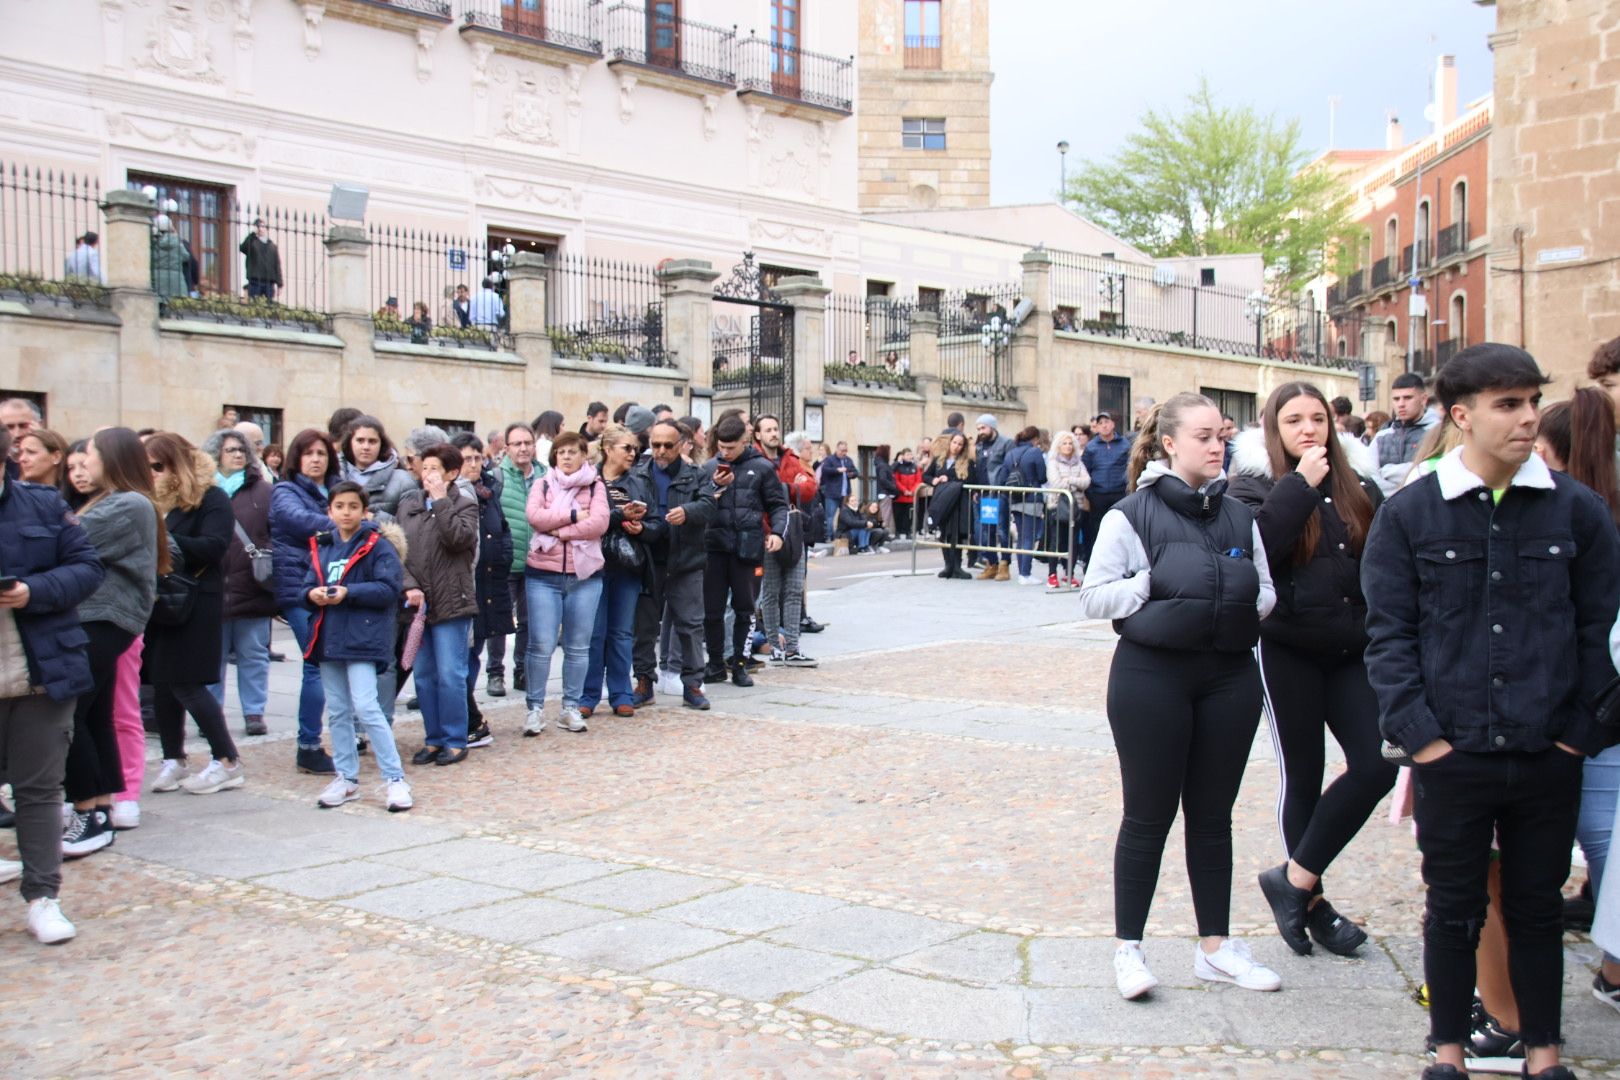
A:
(1445, 350)
(437, 9)
(44, 218)
(1335, 296)
(270, 269)
(1415, 257)
(1451, 241)
(417, 283)
(975, 341)
(654, 37)
(606, 312)
(1355, 285)
(1386, 271)
(923, 53)
(787, 71)
(567, 24)
(857, 353)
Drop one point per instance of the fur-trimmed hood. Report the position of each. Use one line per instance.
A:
(1249, 456)
(394, 535)
(166, 486)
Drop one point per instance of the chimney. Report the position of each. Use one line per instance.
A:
(1445, 92)
(1393, 139)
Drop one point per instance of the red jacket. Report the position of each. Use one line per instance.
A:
(800, 482)
(908, 483)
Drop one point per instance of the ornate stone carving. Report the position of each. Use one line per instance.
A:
(515, 191)
(627, 103)
(177, 44)
(112, 33)
(574, 104)
(313, 14)
(425, 37)
(208, 140)
(528, 113)
(710, 103)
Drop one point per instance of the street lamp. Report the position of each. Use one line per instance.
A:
(1063, 171)
(1111, 288)
(1254, 309)
(994, 335)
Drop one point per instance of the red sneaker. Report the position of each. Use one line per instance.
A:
(1052, 581)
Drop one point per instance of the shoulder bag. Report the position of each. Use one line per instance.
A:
(259, 560)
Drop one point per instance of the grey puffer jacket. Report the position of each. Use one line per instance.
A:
(386, 481)
(122, 526)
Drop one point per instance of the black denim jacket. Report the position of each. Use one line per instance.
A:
(1489, 622)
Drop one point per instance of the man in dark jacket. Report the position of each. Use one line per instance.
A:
(491, 576)
(47, 568)
(263, 269)
(1492, 584)
(990, 449)
(738, 542)
(682, 506)
(1105, 457)
(836, 479)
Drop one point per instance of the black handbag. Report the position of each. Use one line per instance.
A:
(620, 552)
(175, 600)
(793, 545)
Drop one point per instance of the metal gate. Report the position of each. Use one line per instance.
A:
(760, 359)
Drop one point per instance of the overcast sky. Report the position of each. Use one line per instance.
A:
(1086, 70)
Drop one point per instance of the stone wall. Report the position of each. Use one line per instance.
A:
(1555, 180)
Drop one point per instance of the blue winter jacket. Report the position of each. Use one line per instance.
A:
(297, 512)
(1106, 462)
(1030, 463)
(362, 627)
(42, 543)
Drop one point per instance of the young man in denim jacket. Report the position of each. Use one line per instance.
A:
(1491, 587)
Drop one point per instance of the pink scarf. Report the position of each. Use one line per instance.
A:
(572, 485)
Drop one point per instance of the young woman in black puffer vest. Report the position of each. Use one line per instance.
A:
(1181, 570)
(1313, 495)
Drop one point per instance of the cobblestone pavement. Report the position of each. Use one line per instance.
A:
(897, 865)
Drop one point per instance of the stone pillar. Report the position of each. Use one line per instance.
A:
(348, 296)
(1033, 356)
(126, 258)
(808, 296)
(925, 367)
(688, 287)
(526, 307)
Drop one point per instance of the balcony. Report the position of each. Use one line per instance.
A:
(676, 53)
(1451, 242)
(923, 53)
(407, 15)
(1335, 296)
(1415, 257)
(1386, 272)
(1445, 350)
(794, 81)
(1355, 286)
(550, 31)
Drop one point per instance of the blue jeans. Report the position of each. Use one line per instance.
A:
(1031, 528)
(991, 535)
(441, 682)
(1594, 829)
(830, 504)
(561, 608)
(351, 688)
(311, 697)
(249, 639)
(859, 538)
(613, 638)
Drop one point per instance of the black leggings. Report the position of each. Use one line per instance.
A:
(94, 766)
(173, 701)
(1306, 693)
(902, 519)
(727, 573)
(1183, 724)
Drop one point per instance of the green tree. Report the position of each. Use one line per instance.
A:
(1214, 180)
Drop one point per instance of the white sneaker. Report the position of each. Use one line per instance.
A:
(1131, 972)
(570, 719)
(217, 776)
(1029, 579)
(399, 796)
(68, 814)
(669, 683)
(47, 923)
(126, 814)
(9, 870)
(535, 722)
(1233, 963)
(338, 792)
(171, 776)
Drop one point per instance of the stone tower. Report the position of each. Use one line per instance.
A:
(924, 104)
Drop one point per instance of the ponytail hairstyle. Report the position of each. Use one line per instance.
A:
(1349, 497)
(1162, 419)
(1581, 433)
(124, 468)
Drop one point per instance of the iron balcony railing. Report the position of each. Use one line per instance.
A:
(1335, 296)
(654, 37)
(1355, 285)
(438, 9)
(786, 71)
(1452, 241)
(1445, 350)
(1415, 257)
(923, 53)
(1386, 271)
(567, 24)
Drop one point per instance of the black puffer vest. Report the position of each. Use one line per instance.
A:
(1203, 584)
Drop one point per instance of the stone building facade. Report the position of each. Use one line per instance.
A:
(1555, 180)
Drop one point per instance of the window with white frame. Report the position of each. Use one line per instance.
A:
(919, 133)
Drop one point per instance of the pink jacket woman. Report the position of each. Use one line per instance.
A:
(569, 513)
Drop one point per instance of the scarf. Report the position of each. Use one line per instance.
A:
(1068, 462)
(568, 485)
(230, 485)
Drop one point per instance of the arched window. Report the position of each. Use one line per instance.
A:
(1392, 237)
(1459, 201)
(1459, 319)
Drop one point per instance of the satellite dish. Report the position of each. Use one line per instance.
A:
(1429, 112)
(1164, 276)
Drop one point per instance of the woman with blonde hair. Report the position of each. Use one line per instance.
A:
(950, 470)
(183, 637)
(41, 457)
(626, 570)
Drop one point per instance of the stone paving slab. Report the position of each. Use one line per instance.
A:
(757, 970)
(1101, 1018)
(345, 879)
(433, 896)
(750, 909)
(633, 944)
(894, 1001)
(983, 958)
(639, 890)
(868, 933)
(520, 921)
(539, 870)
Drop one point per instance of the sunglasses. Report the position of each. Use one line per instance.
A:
(663, 445)
(157, 466)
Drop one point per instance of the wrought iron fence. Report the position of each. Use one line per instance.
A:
(417, 283)
(45, 256)
(1142, 303)
(1445, 350)
(1355, 285)
(605, 311)
(438, 9)
(1451, 240)
(856, 353)
(648, 36)
(1386, 271)
(1415, 256)
(276, 280)
(568, 24)
(788, 71)
(975, 341)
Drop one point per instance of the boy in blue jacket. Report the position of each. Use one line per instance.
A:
(356, 582)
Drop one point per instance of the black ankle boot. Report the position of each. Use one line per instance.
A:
(739, 674)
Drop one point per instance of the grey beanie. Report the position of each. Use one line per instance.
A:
(639, 419)
(987, 420)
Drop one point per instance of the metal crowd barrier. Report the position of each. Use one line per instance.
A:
(926, 533)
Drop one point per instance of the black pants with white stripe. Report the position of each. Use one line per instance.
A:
(1308, 695)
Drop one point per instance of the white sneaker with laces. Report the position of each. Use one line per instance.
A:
(1233, 963)
(171, 775)
(126, 814)
(338, 792)
(1131, 972)
(398, 796)
(535, 722)
(47, 923)
(217, 776)
(570, 719)
(10, 870)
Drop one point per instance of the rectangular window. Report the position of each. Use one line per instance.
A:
(526, 18)
(922, 34)
(929, 299)
(201, 220)
(664, 33)
(787, 38)
(268, 419)
(917, 133)
(1114, 395)
(1240, 406)
(773, 275)
(879, 288)
(452, 428)
(1206, 275)
(37, 397)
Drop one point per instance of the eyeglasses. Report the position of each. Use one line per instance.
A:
(157, 466)
(663, 445)
(234, 450)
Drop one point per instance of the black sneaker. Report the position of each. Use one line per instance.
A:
(807, 625)
(449, 755)
(414, 703)
(315, 761)
(739, 674)
(1332, 931)
(1606, 991)
(1288, 905)
(1443, 1072)
(519, 683)
(425, 756)
(1492, 1048)
(360, 744)
(1551, 1072)
(479, 736)
(798, 659)
(88, 831)
(253, 724)
(714, 673)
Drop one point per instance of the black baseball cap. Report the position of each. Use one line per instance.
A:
(1106, 414)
